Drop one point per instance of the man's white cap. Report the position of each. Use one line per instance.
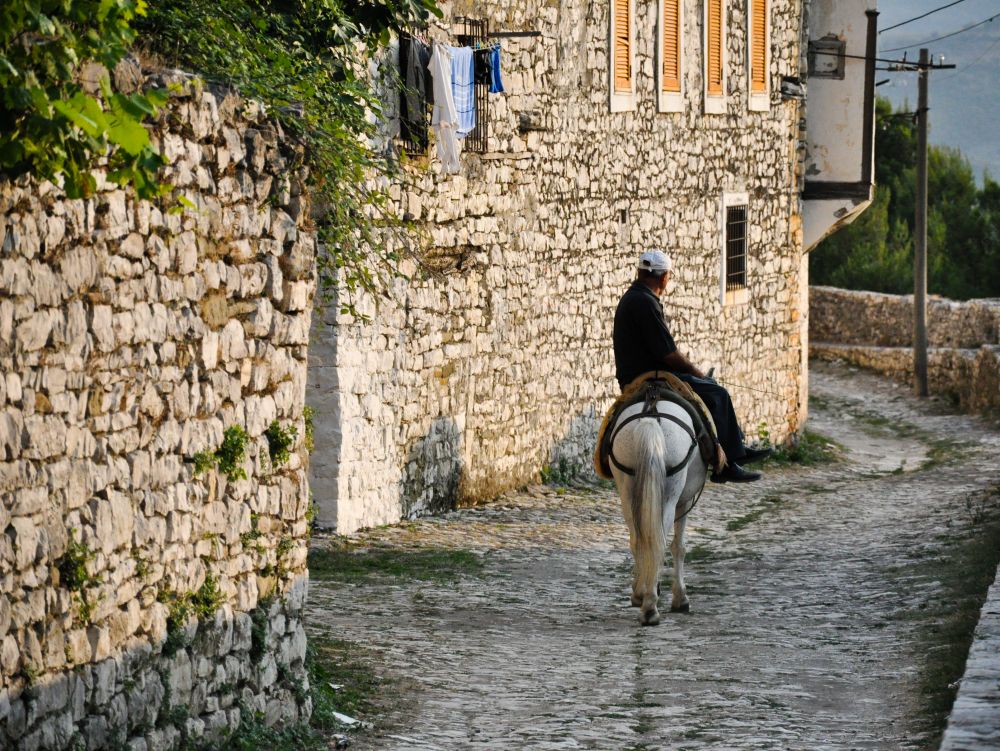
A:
(656, 261)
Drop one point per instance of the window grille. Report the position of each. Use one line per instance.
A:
(736, 247)
(476, 34)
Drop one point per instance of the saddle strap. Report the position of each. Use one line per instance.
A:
(659, 415)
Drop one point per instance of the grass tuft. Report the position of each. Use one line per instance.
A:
(355, 565)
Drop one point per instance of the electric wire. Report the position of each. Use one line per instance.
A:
(966, 68)
(917, 18)
(946, 36)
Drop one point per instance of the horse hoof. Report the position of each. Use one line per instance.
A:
(685, 608)
(651, 618)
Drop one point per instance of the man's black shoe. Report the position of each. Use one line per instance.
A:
(755, 455)
(734, 473)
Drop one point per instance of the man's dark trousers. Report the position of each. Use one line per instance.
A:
(720, 406)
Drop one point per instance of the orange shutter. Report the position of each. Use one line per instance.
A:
(714, 46)
(622, 46)
(758, 47)
(671, 45)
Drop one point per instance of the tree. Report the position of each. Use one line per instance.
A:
(876, 251)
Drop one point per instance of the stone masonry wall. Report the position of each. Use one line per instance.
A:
(143, 606)
(875, 330)
(874, 318)
(494, 358)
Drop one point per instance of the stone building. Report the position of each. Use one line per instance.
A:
(626, 125)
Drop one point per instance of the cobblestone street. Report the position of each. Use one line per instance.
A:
(813, 596)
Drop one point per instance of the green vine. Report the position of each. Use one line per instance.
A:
(308, 61)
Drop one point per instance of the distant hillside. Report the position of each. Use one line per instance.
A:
(965, 103)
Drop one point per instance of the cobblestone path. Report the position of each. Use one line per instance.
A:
(810, 592)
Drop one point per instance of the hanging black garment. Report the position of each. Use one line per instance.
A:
(414, 58)
(482, 66)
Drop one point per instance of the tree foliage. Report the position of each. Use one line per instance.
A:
(50, 125)
(307, 60)
(963, 223)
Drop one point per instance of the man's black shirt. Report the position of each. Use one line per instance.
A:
(642, 339)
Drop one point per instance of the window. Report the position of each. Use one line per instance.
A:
(735, 247)
(622, 55)
(669, 89)
(758, 49)
(715, 58)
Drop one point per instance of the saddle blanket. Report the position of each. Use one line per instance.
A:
(671, 389)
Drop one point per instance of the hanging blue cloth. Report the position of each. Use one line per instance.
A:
(463, 88)
(496, 84)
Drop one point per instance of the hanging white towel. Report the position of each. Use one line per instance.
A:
(463, 87)
(444, 119)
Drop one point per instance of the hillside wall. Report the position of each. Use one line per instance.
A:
(875, 330)
(143, 606)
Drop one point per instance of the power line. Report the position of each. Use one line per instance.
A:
(946, 36)
(964, 69)
(917, 18)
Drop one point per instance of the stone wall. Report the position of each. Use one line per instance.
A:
(494, 358)
(142, 605)
(875, 331)
(873, 318)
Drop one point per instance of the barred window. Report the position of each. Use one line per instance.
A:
(736, 247)
(735, 227)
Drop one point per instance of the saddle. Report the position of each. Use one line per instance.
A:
(657, 385)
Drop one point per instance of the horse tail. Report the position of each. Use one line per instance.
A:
(648, 497)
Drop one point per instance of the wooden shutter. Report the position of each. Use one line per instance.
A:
(622, 42)
(714, 63)
(671, 74)
(758, 46)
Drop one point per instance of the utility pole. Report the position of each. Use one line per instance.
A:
(920, 232)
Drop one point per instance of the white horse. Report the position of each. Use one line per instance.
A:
(659, 473)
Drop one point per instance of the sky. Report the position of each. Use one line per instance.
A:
(965, 102)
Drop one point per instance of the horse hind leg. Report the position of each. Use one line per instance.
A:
(625, 490)
(679, 600)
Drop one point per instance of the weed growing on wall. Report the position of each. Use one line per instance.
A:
(309, 418)
(75, 576)
(279, 442)
(229, 457)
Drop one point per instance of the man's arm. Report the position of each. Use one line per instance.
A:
(678, 363)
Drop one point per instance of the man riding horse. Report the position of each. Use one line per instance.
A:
(643, 343)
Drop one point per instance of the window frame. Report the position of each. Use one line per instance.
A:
(759, 101)
(621, 101)
(740, 294)
(715, 104)
(669, 101)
